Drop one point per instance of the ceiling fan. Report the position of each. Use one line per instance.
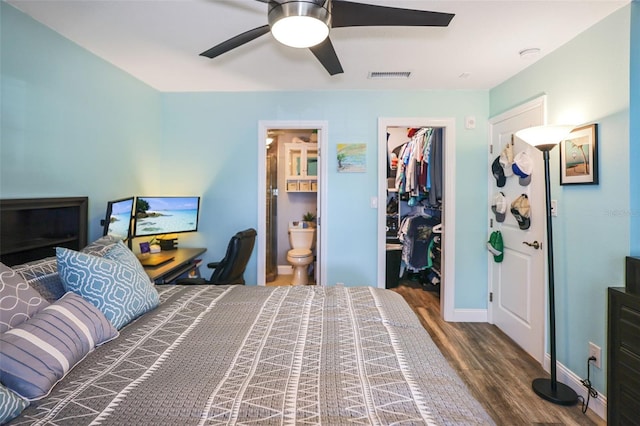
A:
(306, 24)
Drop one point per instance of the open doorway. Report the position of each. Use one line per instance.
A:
(291, 198)
(447, 129)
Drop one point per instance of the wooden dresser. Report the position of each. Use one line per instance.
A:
(623, 365)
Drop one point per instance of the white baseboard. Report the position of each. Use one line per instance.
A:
(469, 315)
(564, 375)
(285, 270)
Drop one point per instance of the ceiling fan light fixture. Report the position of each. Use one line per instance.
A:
(299, 24)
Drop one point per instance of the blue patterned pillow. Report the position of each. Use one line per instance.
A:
(116, 283)
(146, 290)
(35, 355)
(11, 405)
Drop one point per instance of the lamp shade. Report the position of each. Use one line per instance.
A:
(545, 137)
(299, 24)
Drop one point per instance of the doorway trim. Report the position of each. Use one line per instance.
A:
(447, 295)
(323, 129)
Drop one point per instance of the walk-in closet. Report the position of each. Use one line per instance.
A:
(414, 206)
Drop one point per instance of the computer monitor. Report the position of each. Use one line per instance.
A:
(117, 221)
(166, 215)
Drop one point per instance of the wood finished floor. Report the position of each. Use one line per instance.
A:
(285, 280)
(496, 370)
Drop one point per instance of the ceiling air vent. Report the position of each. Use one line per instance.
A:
(389, 75)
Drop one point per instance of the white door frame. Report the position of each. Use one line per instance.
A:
(447, 292)
(323, 129)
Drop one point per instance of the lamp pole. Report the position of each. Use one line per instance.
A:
(551, 389)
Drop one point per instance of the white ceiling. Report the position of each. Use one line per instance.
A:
(159, 42)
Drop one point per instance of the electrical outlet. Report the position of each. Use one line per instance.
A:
(596, 352)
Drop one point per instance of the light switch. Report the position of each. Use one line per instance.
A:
(470, 122)
(374, 202)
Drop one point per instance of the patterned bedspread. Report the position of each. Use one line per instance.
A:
(265, 355)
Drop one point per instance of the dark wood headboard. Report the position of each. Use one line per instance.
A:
(31, 228)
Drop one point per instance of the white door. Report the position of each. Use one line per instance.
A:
(517, 284)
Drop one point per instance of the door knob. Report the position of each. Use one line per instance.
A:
(536, 245)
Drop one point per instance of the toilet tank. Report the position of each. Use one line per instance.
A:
(302, 238)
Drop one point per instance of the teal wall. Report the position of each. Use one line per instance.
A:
(586, 81)
(210, 140)
(72, 125)
(634, 131)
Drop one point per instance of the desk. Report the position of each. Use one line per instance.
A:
(182, 262)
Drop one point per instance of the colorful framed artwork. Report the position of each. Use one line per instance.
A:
(352, 157)
(579, 157)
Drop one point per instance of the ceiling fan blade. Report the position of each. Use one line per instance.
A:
(327, 56)
(350, 14)
(236, 41)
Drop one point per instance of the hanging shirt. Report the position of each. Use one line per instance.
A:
(416, 234)
(413, 175)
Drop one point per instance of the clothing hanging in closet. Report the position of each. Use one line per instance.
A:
(419, 235)
(419, 173)
(418, 167)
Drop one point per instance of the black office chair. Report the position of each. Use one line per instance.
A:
(230, 270)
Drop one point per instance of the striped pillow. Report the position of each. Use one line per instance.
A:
(38, 353)
(11, 405)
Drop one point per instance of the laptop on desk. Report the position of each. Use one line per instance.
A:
(155, 259)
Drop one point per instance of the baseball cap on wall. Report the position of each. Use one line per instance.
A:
(506, 159)
(495, 245)
(523, 166)
(521, 210)
(499, 206)
(498, 172)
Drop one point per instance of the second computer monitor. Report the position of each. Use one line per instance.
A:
(166, 215)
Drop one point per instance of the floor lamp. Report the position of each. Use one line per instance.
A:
(545, 138)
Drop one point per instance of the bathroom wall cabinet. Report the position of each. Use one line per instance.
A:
(301, 161)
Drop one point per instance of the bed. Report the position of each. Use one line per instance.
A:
(235, 355)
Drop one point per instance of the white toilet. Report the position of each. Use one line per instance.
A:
(302, 240)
